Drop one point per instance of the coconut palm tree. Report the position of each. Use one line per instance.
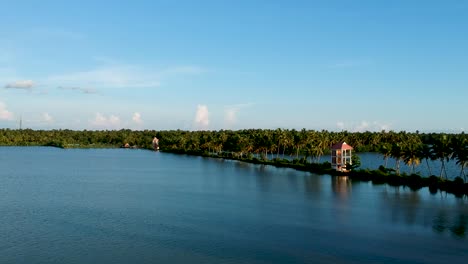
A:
(442, 151)
(287, 141)
(426, 154)
(462, 161)
(386, 150)
(300, 140)
(278, 136)
(459, 146)
(397, 154)
(411, 153)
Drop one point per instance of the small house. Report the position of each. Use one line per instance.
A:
(340, 156)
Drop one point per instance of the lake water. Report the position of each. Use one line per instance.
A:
(135, 206)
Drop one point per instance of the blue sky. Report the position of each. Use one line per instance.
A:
(354, 65)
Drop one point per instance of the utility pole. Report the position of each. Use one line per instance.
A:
(21, 123)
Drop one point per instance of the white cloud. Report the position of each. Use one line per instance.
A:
(102, 122)
(381, 127)
(20, 84)
(230, 116)
(137, 118)
(231, 112)
(4, 113)
(79, 89)
(202, 120)
(114, 75)
(46, 118)
(108, 77)
(114, 120)
(340, 125)
(363, 126)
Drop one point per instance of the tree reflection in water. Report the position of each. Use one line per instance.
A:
(455, 225)
(413, 210)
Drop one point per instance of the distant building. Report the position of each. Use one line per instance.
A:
(156, 143)
(340, 156)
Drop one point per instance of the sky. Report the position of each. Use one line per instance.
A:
(210, 65)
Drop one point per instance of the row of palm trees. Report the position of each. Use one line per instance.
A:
(407, 148)
(415, 148)
(265, 143)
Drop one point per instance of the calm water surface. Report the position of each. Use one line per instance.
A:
(134, 206)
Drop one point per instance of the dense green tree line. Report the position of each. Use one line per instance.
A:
(306, 146)
(71, 138)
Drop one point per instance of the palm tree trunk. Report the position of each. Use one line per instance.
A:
(397, 166)
(279, 145)
(462, 172)
(428, 167)
(445, 170)
(442, 168)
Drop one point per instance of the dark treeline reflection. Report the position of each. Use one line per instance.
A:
(456, 225)
(411, 208)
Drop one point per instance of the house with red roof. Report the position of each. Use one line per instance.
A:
(340, 156)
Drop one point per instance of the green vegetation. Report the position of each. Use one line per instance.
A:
(262, 146)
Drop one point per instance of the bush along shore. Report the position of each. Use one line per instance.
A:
(380, 176)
